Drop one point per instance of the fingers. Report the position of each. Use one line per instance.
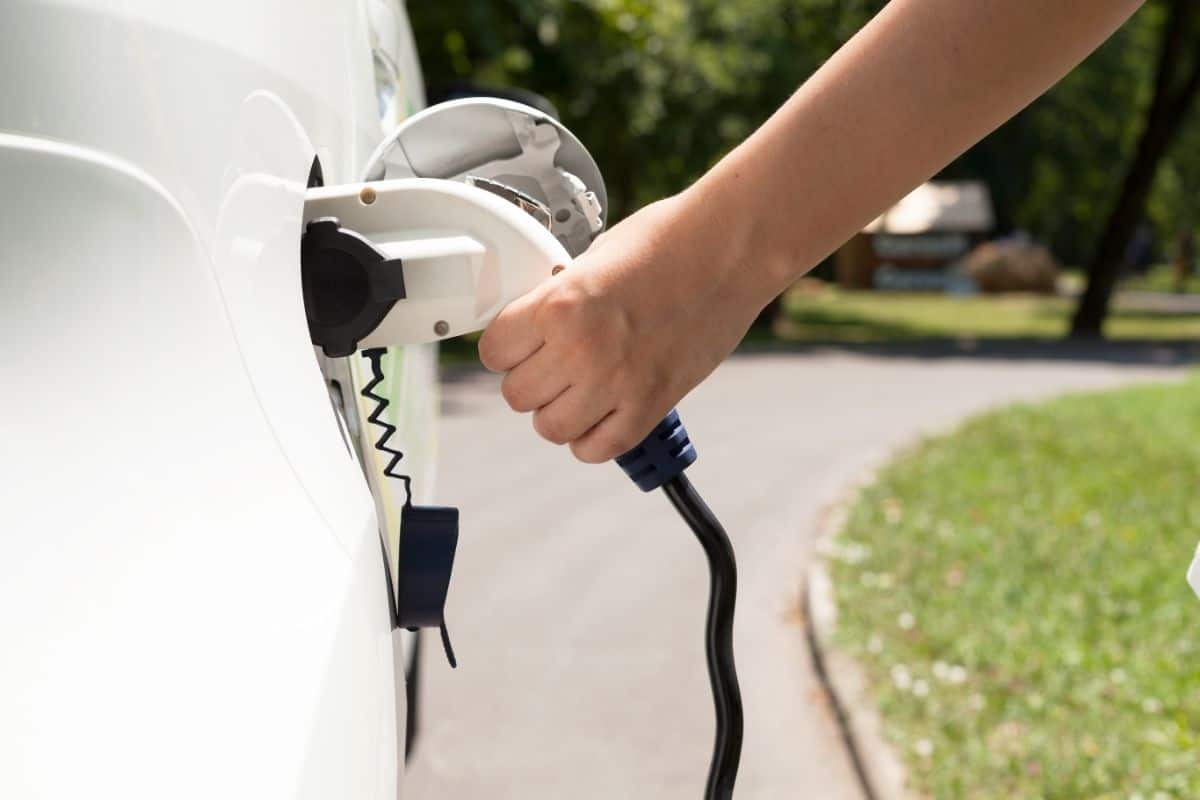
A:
(615, 435)
(534, 382)
(571, 415)
(511, 337)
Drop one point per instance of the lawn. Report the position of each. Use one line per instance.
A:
(1161, 278)
(822, 313)
(1016, 593)
(825, 313)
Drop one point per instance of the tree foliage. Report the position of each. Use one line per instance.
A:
(1176, 85)
(660, 89)
(657, 89)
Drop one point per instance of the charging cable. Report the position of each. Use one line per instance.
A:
(659, 462)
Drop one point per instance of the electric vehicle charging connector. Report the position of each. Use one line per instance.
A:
(407, 260)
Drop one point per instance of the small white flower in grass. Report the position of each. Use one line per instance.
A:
(1137, 796)
(1160, 796)
(1117, 675)
(901, 677)
(906, 621)
(1157, 736)
(923, 748)
(849, 552)
(976, 702)
(941, 670)
(920, 687)
(875, 644)
(1151, 705)
(956, 674)
(884, 580)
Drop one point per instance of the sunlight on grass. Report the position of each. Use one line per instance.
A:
(834, 315)
(1016, 592)
(1161, 278)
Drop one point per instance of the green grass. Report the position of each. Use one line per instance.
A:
(834, 315)
(823, 313)
(1161, 278)
(1016, 592)
(461, 351)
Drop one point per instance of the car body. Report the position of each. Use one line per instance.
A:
(193, 594)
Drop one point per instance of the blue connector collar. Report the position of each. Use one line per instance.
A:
(663, 454)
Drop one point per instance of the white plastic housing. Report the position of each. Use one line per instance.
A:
(465, 252)
(510, 143)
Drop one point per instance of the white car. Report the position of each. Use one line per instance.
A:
(193, 600)
(226, 244)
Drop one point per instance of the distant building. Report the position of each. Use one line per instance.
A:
(911, 245)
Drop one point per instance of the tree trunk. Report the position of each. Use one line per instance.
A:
(1168, 110)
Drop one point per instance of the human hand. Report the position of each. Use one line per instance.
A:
(600, 352)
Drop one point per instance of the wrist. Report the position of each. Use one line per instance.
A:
(743, 257)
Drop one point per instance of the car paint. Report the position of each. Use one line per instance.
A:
(193, 600)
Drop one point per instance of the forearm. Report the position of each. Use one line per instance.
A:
(916, 87)
(600, 353)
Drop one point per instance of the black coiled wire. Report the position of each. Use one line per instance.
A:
(718, 641)
(375, 356)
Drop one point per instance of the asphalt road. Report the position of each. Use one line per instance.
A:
(577, 602)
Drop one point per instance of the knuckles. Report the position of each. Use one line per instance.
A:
(604, 447)
(587, 453)
(621, 443)
(598, 348)
(514, 394)
(489, 352)
(561, 310)
(550, 429)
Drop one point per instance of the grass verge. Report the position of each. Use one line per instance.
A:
(1016, 593)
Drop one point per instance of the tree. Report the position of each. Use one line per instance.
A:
(660, 89)
(1049, 169)
(1176, 83)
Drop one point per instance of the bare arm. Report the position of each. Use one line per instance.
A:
(600, 354)
(917, 86)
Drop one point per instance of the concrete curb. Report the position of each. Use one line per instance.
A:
(879, 767)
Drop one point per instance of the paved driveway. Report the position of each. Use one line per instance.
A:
(577, 603)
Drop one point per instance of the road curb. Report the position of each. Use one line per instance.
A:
(879, 767)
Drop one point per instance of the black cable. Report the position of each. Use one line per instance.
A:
(718, 639)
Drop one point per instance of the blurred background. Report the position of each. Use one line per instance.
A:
(1093, 186)
(1011, 585)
